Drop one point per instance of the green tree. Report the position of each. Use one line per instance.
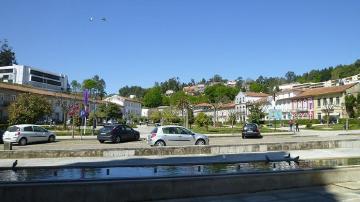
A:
(96, 86)
(350, 103)
(290, 76)
(232, 118)
(132, 90)
(155, 116)
(256, 113)
(75, 86)
(191, 118)
(28, 108)
(203, 120)
(257, 87)
(153, 97)
(7, 55)
(109, 111)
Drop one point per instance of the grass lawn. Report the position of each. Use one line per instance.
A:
(335, 127)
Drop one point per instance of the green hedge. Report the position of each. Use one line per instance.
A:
(351, 121)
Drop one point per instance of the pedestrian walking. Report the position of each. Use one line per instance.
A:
(297, 127)
(290, 125)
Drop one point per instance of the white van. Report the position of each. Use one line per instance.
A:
(26, 133)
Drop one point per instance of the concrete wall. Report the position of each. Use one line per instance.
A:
(188, 150)
(170, 188)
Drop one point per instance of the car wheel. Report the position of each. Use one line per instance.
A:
(117, 139)
(101, 141)
(200, 142)
(51, 138)
(22, 141)
(159, 143)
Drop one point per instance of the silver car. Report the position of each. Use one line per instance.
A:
(175, 136)
(26, 133)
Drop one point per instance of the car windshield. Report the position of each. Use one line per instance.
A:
(12, 129)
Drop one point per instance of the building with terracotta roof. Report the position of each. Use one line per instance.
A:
(242, 102)
(58, 100)
(317, 103)
(130, 107)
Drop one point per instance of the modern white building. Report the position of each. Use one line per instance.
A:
(129, 106)
(243, 100)
(26, 75)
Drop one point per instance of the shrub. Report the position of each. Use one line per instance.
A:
(308, 125)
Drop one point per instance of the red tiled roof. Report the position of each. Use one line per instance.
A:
(227, 106)
(203, 105)
(254, 94)
(28, 89)
(324, 90)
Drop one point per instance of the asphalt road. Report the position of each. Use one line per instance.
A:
(94, 144)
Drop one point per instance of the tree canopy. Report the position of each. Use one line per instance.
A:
(7, 55)
(28, 108)
(153, 97)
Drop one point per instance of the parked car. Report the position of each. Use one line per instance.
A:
(117, 133)
(1, 136)
(251, 130)
(175, 136)
(27, 133)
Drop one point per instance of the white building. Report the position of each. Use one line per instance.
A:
(283, 102)
(242, 101)
(129, 106)
(26, 75)
(145, 112)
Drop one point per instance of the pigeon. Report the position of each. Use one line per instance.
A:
(14, 165)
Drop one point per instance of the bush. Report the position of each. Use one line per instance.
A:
(308, 125)
(351, 121)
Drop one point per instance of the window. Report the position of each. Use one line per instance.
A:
(43, 74)
(28, 129)
(331, 100)
(6, 71)
(324, 101)
(38, 129)
(337, 101)
(318, 102)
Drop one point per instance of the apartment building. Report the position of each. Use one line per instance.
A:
(26, 75)
(319, 102)
(242, 102)
(130, 107)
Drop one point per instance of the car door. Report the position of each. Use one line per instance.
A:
(128, 133)
(29, 134)
(186, 136)
(171, 136)
(40, 134)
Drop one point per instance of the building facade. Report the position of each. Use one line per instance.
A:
(130, 107)
(242, 102)
(60, 102)
(318, 103)
(25, 75)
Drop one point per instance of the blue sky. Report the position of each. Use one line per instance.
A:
(144, 41)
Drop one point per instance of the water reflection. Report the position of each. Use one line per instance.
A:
(55, 174)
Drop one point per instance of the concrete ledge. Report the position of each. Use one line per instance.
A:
(170, 188)
(188, 150)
